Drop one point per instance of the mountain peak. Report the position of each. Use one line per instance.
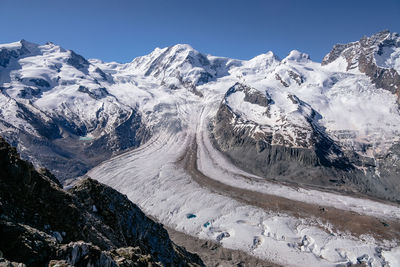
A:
(376, 56)
(28, 45)
(366, 46)
(181, 47)
(10, 51)
(18, 45)
(266, 56)
(263, 61)
(297, 56)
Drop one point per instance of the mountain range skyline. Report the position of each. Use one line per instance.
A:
(224, 28)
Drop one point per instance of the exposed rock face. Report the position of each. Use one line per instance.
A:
(366, 55)
(301, 135)
(71, 155)
(85, 254)
(286, 150)
(6, 55)
(78, 61)
(90, 225)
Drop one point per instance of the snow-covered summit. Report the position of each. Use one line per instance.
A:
(53, 94)
(9, 52)
(377, 56)
(297, 56)
(180, 65)
(22, 44)
(261, 63)
(50, 95)
(285, 119)
(381, 48)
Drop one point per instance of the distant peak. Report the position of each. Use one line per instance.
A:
(27, 44)
(269, 54)
(267, 57)
(182, 47)
(367, 46)
(22, 47)
(174, 49)
(297, 56)
(382, 33)
(50, 43)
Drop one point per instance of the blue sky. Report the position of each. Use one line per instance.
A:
(119, 30)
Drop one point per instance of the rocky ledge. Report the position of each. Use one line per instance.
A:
(90, 224)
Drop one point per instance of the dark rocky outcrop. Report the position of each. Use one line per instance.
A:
(78, 62)
(40, 82)
(59, 147)
(362, 54)
(317, 162)
(91, 224)
(103, 75)
(250, 95)
(97, 93)
(7, 55)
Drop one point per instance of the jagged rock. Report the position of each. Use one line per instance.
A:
(78, 61)
(5, 57)
(311, 158)
(363, 55)
(6, 263)
(40, 222)
(97, 93)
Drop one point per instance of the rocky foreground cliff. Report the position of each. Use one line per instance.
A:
(90, 224)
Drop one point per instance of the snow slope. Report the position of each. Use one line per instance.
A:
(173, 95)
(153, 177)
(52, 99)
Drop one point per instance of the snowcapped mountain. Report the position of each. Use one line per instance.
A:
(211, 133)
(181, 65)
(334, 124)
(54, 101)
(377, 56)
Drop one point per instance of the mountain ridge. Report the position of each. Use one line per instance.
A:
(60, 108)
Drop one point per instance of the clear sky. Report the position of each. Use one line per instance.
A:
(119, 30)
